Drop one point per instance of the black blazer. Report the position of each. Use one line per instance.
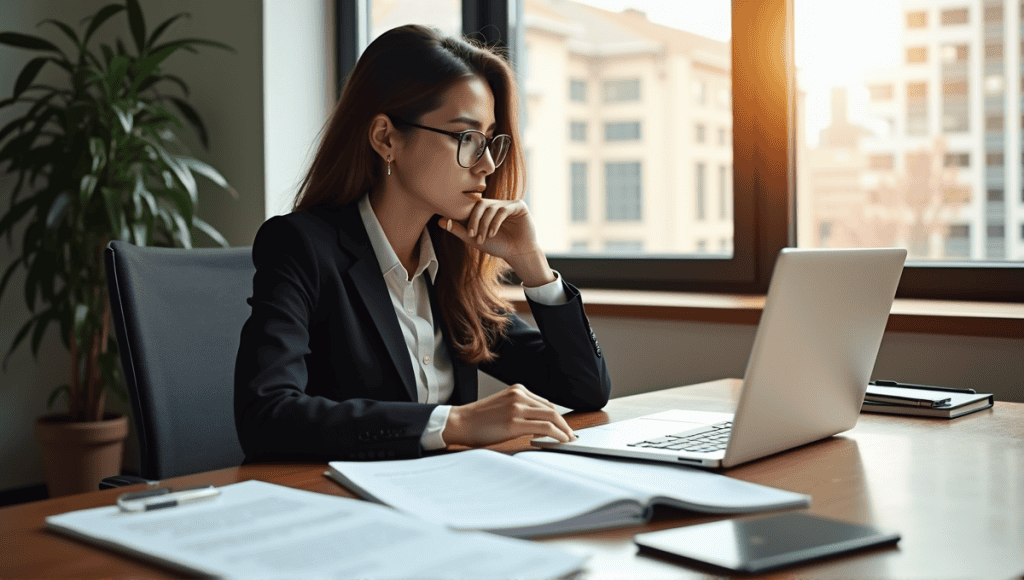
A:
(323, 371)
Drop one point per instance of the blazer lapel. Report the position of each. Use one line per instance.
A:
(369, 283)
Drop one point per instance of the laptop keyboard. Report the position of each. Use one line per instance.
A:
(711, 438)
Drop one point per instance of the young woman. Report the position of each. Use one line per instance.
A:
(377, 298)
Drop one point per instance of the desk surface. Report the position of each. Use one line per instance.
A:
(954, 490)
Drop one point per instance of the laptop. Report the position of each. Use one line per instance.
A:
(813, 354)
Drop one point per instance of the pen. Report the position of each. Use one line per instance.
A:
(881, 383)
(164, 498)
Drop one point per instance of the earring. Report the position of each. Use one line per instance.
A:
(389, 165)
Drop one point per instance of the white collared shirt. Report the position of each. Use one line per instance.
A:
(435, 378)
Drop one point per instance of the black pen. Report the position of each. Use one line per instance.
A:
(881, 383)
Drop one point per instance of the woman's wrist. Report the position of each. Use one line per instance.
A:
(533, 269)
(452, 433)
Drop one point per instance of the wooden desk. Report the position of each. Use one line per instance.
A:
(953, 489)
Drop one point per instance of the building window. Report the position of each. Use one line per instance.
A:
(955, 53)
(700, 188)
(577, 90)
(578, 131)
(955, 114)
(578, 187)
(725, 99)
(721, 136)
(956, 194)
(621, 90)
(958, 241)
(880, 92)
(954, 16)
(702, 245)
(579, 247)
(624, 246)
(917, 19)
(995, 194)
(698, 133)
(993, 122)
(994, 13)
(881, 162)
(994, 84)
(917, 54)
(700, 92)
(961, 160)
(622, 131)
(917, 109)
(623, 192)
(994, 159)
(723, 192)
(994, 50)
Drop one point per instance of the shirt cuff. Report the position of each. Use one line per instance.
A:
(550, 294)
(431, 438)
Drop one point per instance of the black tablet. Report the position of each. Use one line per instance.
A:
(763, 543)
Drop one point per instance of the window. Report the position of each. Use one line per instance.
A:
(700, 92)
(623, 192)
(954, 16)
(765, 90)
(958, 241)
(917, 109)
(700, 189)
(723, 192)
(954, 53)
(993, 50)
(962, 160)
(721, 135)
(724, 99)
(578, 175)
(917, 54)
(917, 19)
(994, 123)
(578, 131)
(622, 131)
(880, 92)
(698, 133)
(621, 91)
(994, 13)
(577, 90)
(994, 85)
(702, 245)
(956, 194)
(579, 246)
(955, 114)
(624, 246)
(995, 194)
(881, 162)
(994, 159)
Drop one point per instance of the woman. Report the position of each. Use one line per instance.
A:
(376, 299)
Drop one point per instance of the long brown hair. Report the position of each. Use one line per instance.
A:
(405, 73)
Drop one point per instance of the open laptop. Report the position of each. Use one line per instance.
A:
(813, 353)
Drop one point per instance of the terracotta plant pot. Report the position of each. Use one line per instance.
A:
(77, 455)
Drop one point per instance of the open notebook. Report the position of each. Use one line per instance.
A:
(535, 493)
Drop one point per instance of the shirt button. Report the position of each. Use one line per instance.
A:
(426, 360)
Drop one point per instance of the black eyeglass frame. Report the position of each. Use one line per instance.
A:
(457, 135)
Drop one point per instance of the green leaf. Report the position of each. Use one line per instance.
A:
(192, 117)
(108, 53)
(121, 50)
(139, 234)
(59, 209)
(37, 335)
(67, 29)
(137, 24)
(15, 214)
(7, 275)
(127, 118)
(184, 236)
(112, 202)
(102, 16)
(12, 126)
(22, 333)
(28, 41)
(147, 65)
(188, 42)
(163, 26)
(208, 229)
(181, 201)
(181, 172)
(117, 72)
(142, 192)
(28, 74)
(98, 153)
(56, 393)
(87, 186)
(205, 170)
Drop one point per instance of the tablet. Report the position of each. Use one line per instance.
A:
(764, 543)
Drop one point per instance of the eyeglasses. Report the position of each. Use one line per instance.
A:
(471, 144)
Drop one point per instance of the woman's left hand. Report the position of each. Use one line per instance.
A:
(502, 228)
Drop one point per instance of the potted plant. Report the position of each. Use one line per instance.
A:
(98, 160)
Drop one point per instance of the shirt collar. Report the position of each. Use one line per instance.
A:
(382, 247)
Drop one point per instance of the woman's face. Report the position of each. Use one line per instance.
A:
(426, 161)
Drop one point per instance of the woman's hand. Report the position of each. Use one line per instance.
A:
(511, 413)
(499, 227)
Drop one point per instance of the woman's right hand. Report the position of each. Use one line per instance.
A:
(506, 415)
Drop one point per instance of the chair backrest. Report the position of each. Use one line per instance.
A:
(178, 315)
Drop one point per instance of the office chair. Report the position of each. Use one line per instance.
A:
(178, 315)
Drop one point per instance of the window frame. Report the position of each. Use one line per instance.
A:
(764, 176)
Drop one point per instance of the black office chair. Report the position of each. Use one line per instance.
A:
(178, 315)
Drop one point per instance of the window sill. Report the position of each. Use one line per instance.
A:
(985, 319)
